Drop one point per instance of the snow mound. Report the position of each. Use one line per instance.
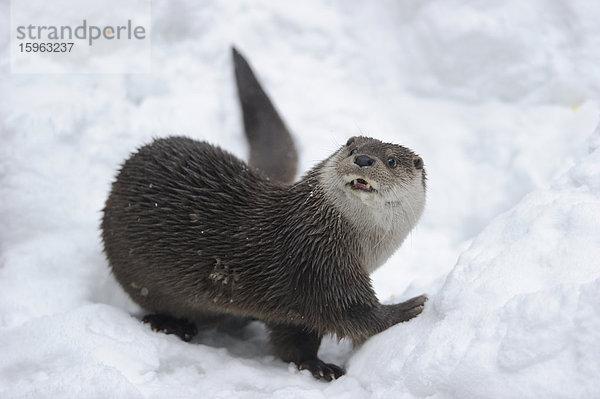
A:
(518, 316)
(93, 351)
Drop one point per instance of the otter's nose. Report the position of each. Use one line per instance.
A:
(363, 160)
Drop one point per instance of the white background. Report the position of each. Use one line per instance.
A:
(500, 98)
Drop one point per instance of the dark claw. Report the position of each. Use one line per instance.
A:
(411, 308)
(413, 302)
(321, 370)
(170, 325)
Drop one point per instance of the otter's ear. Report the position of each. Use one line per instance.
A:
(350, 141)
(418, 162)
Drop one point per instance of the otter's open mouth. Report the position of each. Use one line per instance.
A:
(361, 184)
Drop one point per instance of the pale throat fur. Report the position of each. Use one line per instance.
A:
(385, 209)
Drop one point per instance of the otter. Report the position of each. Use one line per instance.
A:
(195, 235)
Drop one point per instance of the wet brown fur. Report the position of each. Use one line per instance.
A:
(192, 232)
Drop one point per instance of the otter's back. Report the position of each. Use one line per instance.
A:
(169, 195)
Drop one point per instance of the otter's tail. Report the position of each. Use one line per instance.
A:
(272, 149)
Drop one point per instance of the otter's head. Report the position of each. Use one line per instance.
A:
(376, 183)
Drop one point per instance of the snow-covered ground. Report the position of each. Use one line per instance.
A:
(502, 100)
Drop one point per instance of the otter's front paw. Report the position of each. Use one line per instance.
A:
(170, 325)
(411, 308)
(322, 370)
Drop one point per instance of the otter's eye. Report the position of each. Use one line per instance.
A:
(392, 162)
(352, 152)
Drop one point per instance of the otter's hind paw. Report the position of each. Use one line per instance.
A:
(170, 325)
(322, 370)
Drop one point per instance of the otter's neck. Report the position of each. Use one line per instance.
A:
(379, 229)
(373, 232)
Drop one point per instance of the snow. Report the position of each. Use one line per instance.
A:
(500, 98)
(518, 314)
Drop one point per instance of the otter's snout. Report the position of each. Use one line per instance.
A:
(363, 160)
